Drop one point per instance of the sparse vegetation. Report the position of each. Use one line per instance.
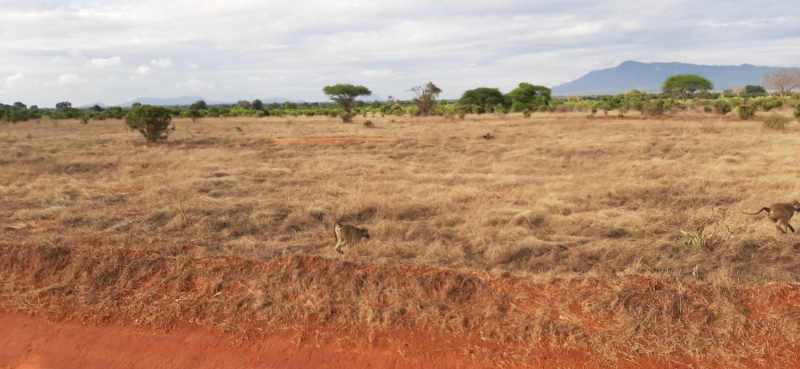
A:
(151, 121)
(746, 111)
(776, 122)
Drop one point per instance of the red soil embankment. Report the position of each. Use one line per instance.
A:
(331, 140)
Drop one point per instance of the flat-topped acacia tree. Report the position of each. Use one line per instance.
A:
(686, 85)
(345, 94)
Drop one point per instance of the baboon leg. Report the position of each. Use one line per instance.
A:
(338, 246)
(778, 225)
(790, 226)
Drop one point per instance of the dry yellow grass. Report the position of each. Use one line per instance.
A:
(554, 195)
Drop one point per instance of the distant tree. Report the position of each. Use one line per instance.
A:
(345, 94)
(375, 104)
(784, 80)
(64, 105)
(750, 89)
(528, 96)
(20, 105)
(34, 107)
(425, 97)
(244, 104)
(151, 121)
(635, 94)
(739, 90)
(136, 104)
(199, 105)
(686, 85)
(289, 105)
(483, 97)
(97, 108)
(192, 114)
(257, 104)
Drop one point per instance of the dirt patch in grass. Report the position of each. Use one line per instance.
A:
(330, 140)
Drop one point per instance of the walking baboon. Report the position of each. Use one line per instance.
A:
(780, 213)
(347, 235)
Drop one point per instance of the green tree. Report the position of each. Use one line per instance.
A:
(151, 121)
(425, 97)
(345, 94)
(257, 104)
(20, 105)
(528, 96)
(750, 89)
(244, 104)
(64, 105)
(686, 85)
(289, 105)
(199, 105)
(97, 108)
(483, 97)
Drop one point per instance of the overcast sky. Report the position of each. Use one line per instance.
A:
(112, 51)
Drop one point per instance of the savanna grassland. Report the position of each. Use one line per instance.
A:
(518, 244)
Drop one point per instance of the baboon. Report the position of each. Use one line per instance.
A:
(780, 213)
(347, 235)
(488, 136)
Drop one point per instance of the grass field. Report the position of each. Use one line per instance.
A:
(555, 197)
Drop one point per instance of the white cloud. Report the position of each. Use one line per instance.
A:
(195, 85)
(71, 81)
(143, 70)
(257, 79)
(109, 62)
(15, 81)
(161, 63)
(380, 74)
(194, 66)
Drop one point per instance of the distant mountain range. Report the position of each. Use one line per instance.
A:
(188, 100)
(649, 77)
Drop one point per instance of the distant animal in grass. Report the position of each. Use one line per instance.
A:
(348, 236)
(780, 213)
(488, 136)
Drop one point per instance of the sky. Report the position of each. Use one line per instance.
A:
(113, 51)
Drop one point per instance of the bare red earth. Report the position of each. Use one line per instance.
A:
(331, 140)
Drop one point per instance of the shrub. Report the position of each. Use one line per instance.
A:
(708, 109)
(477, 110)
(151, 121)
(768, 104)
(594, 111)
(346, 117)
(776, 122)
(620, 116)
(590, 116)
(543, 108)
(746, 112)
(368, 124)
(526, 113)
(722, 107)
(797, 112)
(462, 114)
(655, 107)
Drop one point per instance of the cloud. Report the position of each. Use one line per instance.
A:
(143, 70)
(257, 79)
(195, 85)
(379, 74)
(71, 81)
(101, 63)
(15, 81)
(194, 66)
(161, 63)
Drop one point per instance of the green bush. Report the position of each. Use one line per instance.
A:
(746, 112)
(543, 108)
(722, 107)
(477, 110)
(368, 124)
(526, 113)
(797, 112)
(654, 107)
(776, 122)
(708, 109)
(151, 121)
(346, 117)
(620, 116)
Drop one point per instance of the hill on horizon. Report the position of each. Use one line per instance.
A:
(649, 77)
(188, 100)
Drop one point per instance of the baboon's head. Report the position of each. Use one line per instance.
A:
(796, 206)
(364, 233)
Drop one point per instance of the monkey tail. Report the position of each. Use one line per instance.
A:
(759, 212)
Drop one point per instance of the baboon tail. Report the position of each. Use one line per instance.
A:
(790, 227)
(759, 212)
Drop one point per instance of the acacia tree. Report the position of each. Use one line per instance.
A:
(528, 96)
(257, 104)
(483, 97)
(345, 94)
(686, 85)
(425, 97)
(199, 105)
(784, 80)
